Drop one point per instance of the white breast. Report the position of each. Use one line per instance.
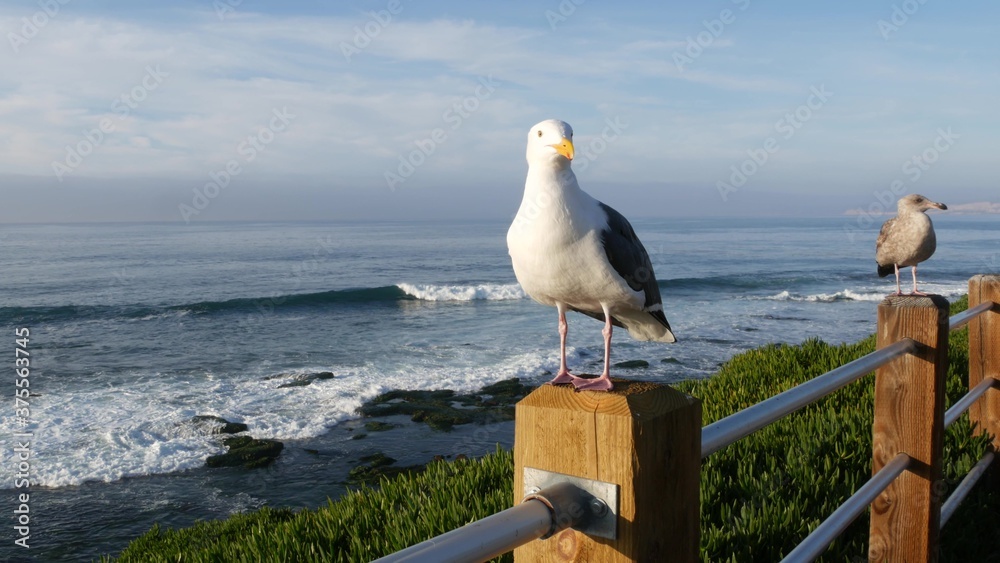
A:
(556, 250)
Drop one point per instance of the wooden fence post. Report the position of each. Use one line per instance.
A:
(646, 438)
(984, 361)
(909, 418)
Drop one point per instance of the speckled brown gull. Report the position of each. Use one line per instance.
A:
(574, 253)
(907, 239)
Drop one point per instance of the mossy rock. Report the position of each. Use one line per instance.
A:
(376, 466)
(632, 364)
(443, 409)
(442, 419)
(511, 389)
(378, 426)
(246, 451)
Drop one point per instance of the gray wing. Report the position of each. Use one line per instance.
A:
(629, 258)
(883, 250)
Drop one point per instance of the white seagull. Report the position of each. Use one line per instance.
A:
(574, 253)
(907, 239)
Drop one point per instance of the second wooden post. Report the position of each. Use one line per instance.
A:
(909, 418)
(984, 362)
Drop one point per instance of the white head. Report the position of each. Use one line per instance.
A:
(550, 141)
(918, 203)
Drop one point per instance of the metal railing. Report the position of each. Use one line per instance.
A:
(964, 487)
(482, 540)
(816, 543)
(538, 516)
(743, 423)
(739, 425)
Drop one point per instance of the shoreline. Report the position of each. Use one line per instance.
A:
(306, 474)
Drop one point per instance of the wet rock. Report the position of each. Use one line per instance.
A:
(442, 419)
(510, 389)
(304, 379)
(377, 465)
(632, 364)
(443, 409)
(219, 425)
(378, 426)
(246, 451)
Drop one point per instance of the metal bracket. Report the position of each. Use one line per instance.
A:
(602, 503)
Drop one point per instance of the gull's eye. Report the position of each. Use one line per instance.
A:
(539, 132)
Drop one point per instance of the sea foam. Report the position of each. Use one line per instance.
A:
(868, 294)
(480, 292)
(99, 435)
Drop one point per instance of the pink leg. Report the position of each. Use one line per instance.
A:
(602, 383)
(915, 292)
(898, 290)
(563, 376)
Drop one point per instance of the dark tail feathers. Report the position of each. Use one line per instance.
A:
(884, 271)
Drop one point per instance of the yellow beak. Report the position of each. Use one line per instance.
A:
(564, 147)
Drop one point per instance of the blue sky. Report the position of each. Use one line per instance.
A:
(225, 110)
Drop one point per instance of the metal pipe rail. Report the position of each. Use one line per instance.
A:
(963, 404)
(959, 320)
(739, 425)
(540, 515)
(724, 432)
(963, 488)
(816, 543)
(483, 539)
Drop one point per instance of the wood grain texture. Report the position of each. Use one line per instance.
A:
(984, 362)
(644, 437)
(909, 418)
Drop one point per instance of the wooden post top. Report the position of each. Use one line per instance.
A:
(628, 398)
(914, 301)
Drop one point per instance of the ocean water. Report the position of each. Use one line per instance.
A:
(137, 328)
